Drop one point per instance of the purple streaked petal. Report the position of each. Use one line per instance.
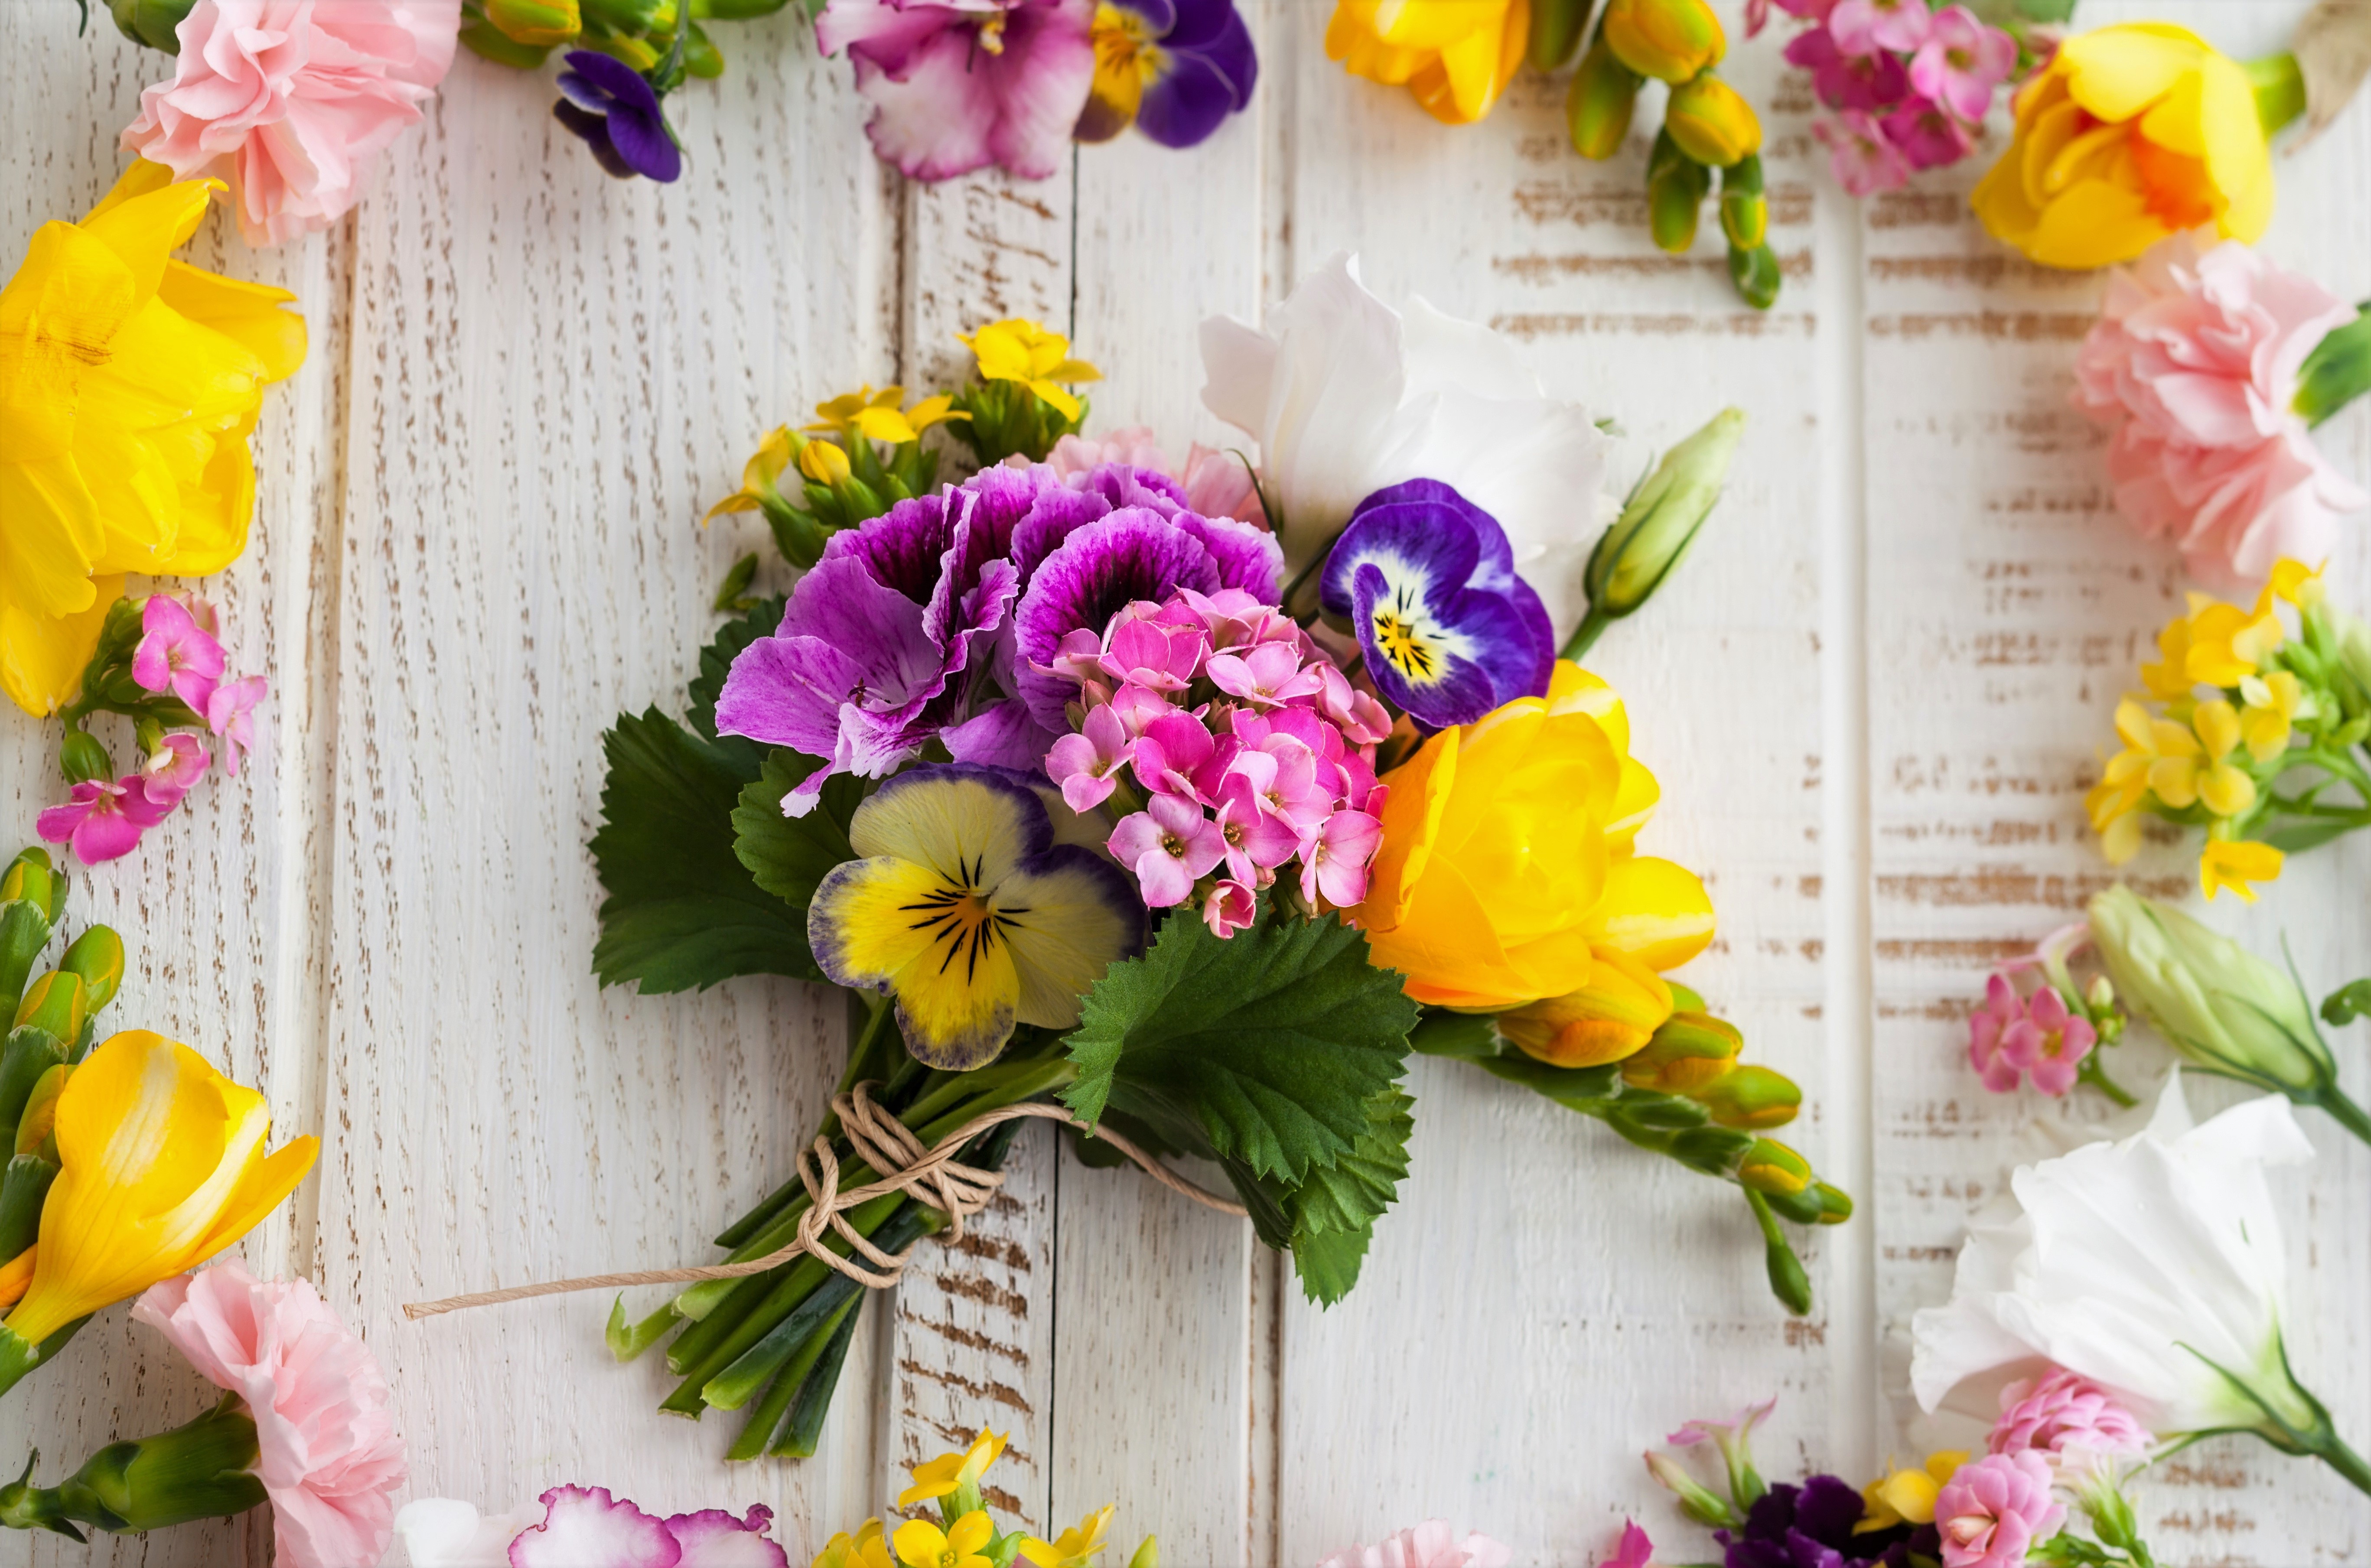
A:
(1099, 570)
(585, 1524)
(842, 603)
(1123, 484)
(1185, 103)
(1247, 558)
(1002, 734)
(786, 691)
(714, 1539)
(614, 78)
(1432, 542)
(1058, 512)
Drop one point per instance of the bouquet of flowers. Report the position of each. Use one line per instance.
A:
(1175, 805)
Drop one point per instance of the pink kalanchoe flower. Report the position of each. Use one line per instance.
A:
(1228, 908)
(1848, 81)
(1962, 63)
(1266, 674)
(2063, 1412)
(1258, 839)
(957, 84)
(2040, 1035)
(292, 101)
(1154, 655)
(1169, 846)
(2195, 366)
(328, 1456)
(1634, 1550)
(1927, 136)
(1084, 763)
(1992, 1510)
(1169, 751)
(1334, 858)
(1864, 27)
(1432, 1544)
(175, 654)
(169, 773)
(2002, 1009)
(102, 822)
(229, 714)
(1862, 160)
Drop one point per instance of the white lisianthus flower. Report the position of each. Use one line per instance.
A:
(1346, 395)
(2153, 1267)
(439, 1532)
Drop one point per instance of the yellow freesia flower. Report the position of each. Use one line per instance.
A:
(2236, 863)
(922, 1544)
(160, 1167)
(760, 477)
(1609, 1019)
(128, 382)
(2169, 679)
(1506, 874)
(1022, 351)
(1075, 1547)
(876, 416)
(866, 1548)
(1907, 1496)
(934, 1479)
(2134, 133)
(2273, 702)
(1455, 56)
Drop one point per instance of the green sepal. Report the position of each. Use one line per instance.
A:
(23, 1186)
(2337, 372)
(1473, 1037)
(18, 1358)
(2347, 1004)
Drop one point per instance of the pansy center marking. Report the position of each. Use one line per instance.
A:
(1411, 639)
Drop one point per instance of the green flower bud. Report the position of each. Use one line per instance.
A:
(1744, 211)
(1712, 123)
(482, 39)
(153, 22)
(26, 1061)
(40, 1120)
(700, 57)
(1658, 1113)
(1751, 1097)
(98, 957)
(1712, 1150)
(1555, 31)
(1755, 274)
(536, 23)
(1660, 519)
(81, 758)
(55, 1003)
(2337, 372)
(1148, 1553)
(1698, 1502)
(1771, 1167)
(204, 1470)
(1597, 110)
(1690, 1050)
(30, 878)
(1676, 186)
(1668, 39)
(1836, 1204)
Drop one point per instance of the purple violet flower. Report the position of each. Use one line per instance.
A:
(1811, 1526)
(608, 104)
(1428, 582)
(1175, 68)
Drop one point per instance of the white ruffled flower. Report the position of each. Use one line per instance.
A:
(1346, 395)
(440, 1532)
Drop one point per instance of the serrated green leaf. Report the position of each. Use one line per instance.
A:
(788, 855)
(682, 910)
(715, 664)
(1353, 1192)
(1328, 1262)
(1445, 1033)
(1270, 1043)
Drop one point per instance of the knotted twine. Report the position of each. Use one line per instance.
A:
(929, 1175)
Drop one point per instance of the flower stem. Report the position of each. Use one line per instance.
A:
(2094, 1074)
(1584, 637)
(2344, 1111)
(2333, 1451)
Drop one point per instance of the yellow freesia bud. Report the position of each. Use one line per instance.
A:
(1668, 39)
(536, 23)
(161, 1166)
(40, 1114)
(55, 1004)
(1751, 1097)
(1771, 1167)
(1613, 1016)
(1455, 56)
(1712, 123)
(1690, 1050)
(1597, 111)
(98, 957)
(2133, 133)
(1504, 870)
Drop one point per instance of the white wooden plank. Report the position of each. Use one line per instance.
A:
(1545, 1302)
(2008, 609)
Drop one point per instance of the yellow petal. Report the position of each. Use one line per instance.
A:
(2235, 864)
(43, 659)
(1655, 911)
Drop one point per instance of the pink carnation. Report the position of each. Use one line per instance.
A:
(289, 101)
(1429, 1545)
(329, 1456)
(2063, 1412)
(2193, 365)
(1991, 1511)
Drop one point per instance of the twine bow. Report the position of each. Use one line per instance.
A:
(929, 1175)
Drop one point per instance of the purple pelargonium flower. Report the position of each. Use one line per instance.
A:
(617, 112)
(1428, 579)
(1175, 68)
(585, 1524)
(957, 84)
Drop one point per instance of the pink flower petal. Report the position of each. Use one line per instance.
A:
(585, 1526)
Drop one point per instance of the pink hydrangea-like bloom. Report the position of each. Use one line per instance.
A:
(2063, 1412)
(957, 84)
(330, 1460)
(1432, 1544)
(2040, 1035)
(2195, 366)
(291, 100)
(1992, 1510)
(1862, 160)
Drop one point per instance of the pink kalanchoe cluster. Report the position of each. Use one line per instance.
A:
(2065, 1415)
(2038, 1036)
(178, 660)
(1249, 750)
(1908, 86)
(1991, 1511)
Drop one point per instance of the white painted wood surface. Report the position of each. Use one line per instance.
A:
(1873, 699)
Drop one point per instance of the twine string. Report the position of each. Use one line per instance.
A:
(928, 1174)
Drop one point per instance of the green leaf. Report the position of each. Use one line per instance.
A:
(732, 597)
(2304, 834)
(2046, 10)
(788, 855)
(1328, 1262)
(1353, 1192)
(682, 910)
(1445, 1033)
(2347, 1003)
(715, 664)
(1271, 1044)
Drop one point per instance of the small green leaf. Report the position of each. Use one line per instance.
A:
(1328, 1262)
(2347, 1004)
(1270, 1043)
(731, 594)
(2302, 834)
(788, 855)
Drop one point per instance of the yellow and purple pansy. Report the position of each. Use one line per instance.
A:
(1426, 579)
(964, 909)
(1174, 69)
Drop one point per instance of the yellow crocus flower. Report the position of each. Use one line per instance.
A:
(1454, 56)
(129, 384)
(1019, 349)
(1907, 1496)
(936, 1478)
(2273, 703)
(866, 1548)
(760, 478)
(161, 1166)
(2236, 863)
(1506, 869)
(1075, 1547)
(922, 1544)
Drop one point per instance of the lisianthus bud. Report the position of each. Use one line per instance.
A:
(1712, 123)
(534, 22)
(1751, 1097)
(1771, 1167)
(1690, 1050)
(1698, 1502)
(1660, 519)
(1668, 39)
(1598, 108)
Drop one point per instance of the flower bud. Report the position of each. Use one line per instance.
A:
(30, 878)
(55, 1004)
(1771, 1167)
(40, 1118)
(81, 758)
(1668, 39)
(203, 1470)
(156, 23)
(1754, 275)
(2223, 1008)
(1662, 518)
(1712, 123)
(1597, 110)
(1612, 1018)
(1148, 1553)
(1698, 1502)
(2337, 372)
(1676, 185)
(1836, 1204)
(98, 957)
(25, 1063)
(1714, 1151)
(536, 23)
(1555, 31)
(1751, 1097)
(1744, 210)
(1690, 1050)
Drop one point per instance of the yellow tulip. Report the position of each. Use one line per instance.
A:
(1505, 874)
(129, 384)
(160, 1167)
(1455, 56)
(2134, 133)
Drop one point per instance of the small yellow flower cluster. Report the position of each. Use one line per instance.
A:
(2227, 710)
(965, 1535)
